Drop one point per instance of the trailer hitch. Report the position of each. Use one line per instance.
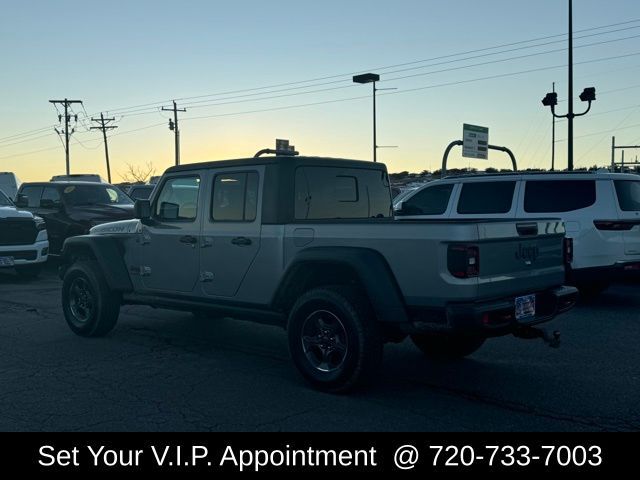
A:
(550, 338)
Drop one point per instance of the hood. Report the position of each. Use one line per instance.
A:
(13, 212)
(103, 211)
(124, 227)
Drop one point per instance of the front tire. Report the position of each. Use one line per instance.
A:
(90, 308)
(446, 347)
(334, 339)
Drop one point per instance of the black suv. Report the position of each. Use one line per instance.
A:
(72, 208)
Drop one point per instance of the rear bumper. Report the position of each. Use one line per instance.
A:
(497, 317)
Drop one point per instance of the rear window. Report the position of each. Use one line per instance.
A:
(140, 193)
(98, 194)
(326, 193)
(628, 192)
(543, 196)
(486, 197)
(429, 201)
(30, 196)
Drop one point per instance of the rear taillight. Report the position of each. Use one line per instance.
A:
(568, 250)
(463, 260)
(614, 224)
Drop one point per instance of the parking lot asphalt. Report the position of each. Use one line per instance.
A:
(166, 370)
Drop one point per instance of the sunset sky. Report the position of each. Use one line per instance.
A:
(129, 58)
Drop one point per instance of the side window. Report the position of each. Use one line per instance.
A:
(178, 200)
(32, 196)
(486, 197)
(542, 196)
(235, 197)
(327, 193)
(628, 192)
(50, 197)
(430, 201)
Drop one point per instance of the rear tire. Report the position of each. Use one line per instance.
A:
(90, 307)
(28, 272)
(335, 340)
(446, 347)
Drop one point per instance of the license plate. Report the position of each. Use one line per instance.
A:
(525, 307)
(6, 262)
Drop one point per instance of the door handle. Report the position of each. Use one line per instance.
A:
(241, 241)
(188, 239)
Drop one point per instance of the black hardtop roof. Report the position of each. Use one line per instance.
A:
(295, 160)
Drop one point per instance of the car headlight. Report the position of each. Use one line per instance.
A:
(40, 223)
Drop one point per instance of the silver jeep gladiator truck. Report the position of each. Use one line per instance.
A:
(310, 244)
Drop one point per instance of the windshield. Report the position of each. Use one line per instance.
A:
(78, 195)
(141, 193)
(402, 195)
(4, 200)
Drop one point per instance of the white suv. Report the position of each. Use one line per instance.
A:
(24, 245)
(601, 212)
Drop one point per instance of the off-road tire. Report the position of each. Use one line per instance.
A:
(84, 284)
(356, 328)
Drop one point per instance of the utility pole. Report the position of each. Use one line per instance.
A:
(103, 124)
(66, 102)
(173, 125)
(553, 136)
(570, 114)
(613, 154)
(615, 147)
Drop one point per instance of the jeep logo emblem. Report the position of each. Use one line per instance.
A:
(527, 253)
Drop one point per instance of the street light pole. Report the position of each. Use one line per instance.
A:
(371, 78)
(587, 95)
(375, 142)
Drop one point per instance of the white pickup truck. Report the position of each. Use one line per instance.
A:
(310, 244)
(24, 245)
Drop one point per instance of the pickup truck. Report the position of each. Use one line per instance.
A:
(310, 244)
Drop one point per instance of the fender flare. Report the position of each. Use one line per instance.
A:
(107, 252)
(371, 268)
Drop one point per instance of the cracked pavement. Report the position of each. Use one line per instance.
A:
(164, 370)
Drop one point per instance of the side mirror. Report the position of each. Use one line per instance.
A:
(142, 209)
(398, 208)
(22, 201)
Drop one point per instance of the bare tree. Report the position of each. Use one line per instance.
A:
(137, 174)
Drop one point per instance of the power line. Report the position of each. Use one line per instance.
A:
(224, 101)
(485, 49)
(362, 97)
(350, 74)
(602, 131)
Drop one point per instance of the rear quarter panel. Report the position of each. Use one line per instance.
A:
(417, 255)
